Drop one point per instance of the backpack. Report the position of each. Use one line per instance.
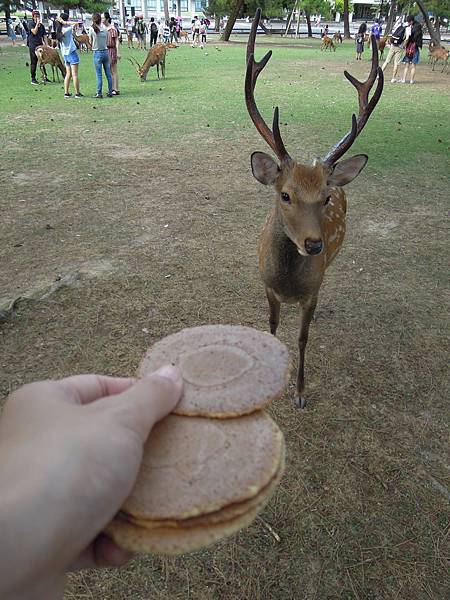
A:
(153, 27)
(398, 36)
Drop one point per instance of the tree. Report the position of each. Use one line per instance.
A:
(440, 9)
(218, 9)
(166, 9)
(346, 20)
(314, 7)
(232, 19)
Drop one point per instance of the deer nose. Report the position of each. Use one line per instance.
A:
(313, 246)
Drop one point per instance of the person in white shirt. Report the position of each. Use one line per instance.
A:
(64, 34)
(196, 32)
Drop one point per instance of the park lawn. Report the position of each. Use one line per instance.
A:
(129, 218)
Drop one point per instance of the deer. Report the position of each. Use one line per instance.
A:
(155, 56)
(382, 44)
(184, 35)
(50, 56)
(327, 42)
(305, 229)
(83, 41)
(437, 53)
(337, 37)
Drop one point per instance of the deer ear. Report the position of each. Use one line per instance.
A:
(345, 171)
(264, 168)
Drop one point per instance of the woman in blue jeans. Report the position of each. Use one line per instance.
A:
(98, 35)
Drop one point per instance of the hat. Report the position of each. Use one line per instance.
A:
(35, 13)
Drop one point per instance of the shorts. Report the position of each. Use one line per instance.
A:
(412, 59)
(72, 58)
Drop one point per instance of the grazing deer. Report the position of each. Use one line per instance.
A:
(337, 37)
(50, 56)
(327, 42)
(184, 35)
(437, 53)
(83, 42)
(305, 230)
(155, 56)
(382, 44)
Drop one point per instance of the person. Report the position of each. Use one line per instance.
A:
(64, 35)
(11, 31)
(359, 39)
(376, 29)
(413, 45)
(195, 31)
(178, 29)
(98, 36)
(71, 451)
(396, 48)
(161, 26)
(112, 44)
(37, 36)
(325, 32)
(141, 29)
(129, 30)
(153, 32)
(203, 30)
(166, 32)
(173, 30)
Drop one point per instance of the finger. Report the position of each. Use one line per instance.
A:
(83, 389)
(149, 400)
(102, 552)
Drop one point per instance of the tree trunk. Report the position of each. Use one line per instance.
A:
(308, 24)
(7, 14)
(264, 28)
(346, 21)
(435, 35)
(34, 4)
(166, 10)
(391, 16)
(288, 25)
(216, 23)
(232, 20)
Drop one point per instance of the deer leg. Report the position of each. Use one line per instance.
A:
(306, 315)
(157, 69)
(274, 311)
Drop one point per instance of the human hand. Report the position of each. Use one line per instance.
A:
(71, 451)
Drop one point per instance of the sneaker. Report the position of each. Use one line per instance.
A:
(109, 95)
(80, 95)
(67, 95)
(46, 80)
(98, 96)
(34, 82)
(411, 82)
(402, 81)
(115, 93)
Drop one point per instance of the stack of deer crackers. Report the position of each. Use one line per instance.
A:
(211, 466)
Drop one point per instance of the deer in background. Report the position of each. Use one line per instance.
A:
(305, 230)
(382, 44)
(436, 53)
(155, 56)
(327, 42)
(50, 56)
(83, 41)
(337, 37)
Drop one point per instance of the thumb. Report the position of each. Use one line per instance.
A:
(149, 400)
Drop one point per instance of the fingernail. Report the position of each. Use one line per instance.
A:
(170, 372)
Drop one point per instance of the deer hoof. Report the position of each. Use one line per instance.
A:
(300, 402)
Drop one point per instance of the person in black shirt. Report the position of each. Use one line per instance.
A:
(36, 37)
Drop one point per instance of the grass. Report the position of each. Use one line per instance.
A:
(87, 194)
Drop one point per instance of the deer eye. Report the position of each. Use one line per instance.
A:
(327, 199)
(285, 197)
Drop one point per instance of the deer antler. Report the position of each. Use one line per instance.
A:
(137, 66)
(272, 137)
(365, 106)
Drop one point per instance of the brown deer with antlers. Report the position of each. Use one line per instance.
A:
(50, 56)
(155, 56)
(306, 228)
